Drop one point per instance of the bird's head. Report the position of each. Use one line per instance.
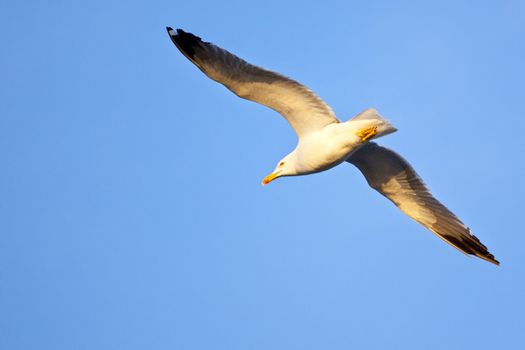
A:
(285, 167)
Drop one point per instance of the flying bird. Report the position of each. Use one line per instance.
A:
(324, 141)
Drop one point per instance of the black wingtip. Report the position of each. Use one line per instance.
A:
(177, 32)
(489, 257)
(186, 42)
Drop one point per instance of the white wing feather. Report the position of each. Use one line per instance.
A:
(392, 176)
(302, 108)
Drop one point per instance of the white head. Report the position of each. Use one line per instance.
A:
(285, 167)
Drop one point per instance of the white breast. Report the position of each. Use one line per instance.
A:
(325, 149)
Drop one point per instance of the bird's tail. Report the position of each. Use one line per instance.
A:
(372, 125)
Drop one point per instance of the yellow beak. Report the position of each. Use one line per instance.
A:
(270, 178)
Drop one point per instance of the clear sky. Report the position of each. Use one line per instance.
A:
(131, 211)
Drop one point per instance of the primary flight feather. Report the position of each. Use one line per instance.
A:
(324, 141)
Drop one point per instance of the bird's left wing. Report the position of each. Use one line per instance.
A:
(302, 108)
(392, 176)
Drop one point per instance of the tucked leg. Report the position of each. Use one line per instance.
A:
(367, 133)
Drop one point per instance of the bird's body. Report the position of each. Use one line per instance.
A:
(331, 145)
(325, 142)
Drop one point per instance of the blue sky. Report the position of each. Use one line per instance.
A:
(131, 211)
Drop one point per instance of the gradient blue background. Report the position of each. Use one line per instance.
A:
(131, 211)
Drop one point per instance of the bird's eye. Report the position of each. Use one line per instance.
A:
(281, 163)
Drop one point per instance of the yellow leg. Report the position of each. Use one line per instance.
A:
(367, 133)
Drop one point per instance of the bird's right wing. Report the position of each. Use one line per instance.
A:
(392, 176)
(302, 108)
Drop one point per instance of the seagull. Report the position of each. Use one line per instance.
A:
(325, 142)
